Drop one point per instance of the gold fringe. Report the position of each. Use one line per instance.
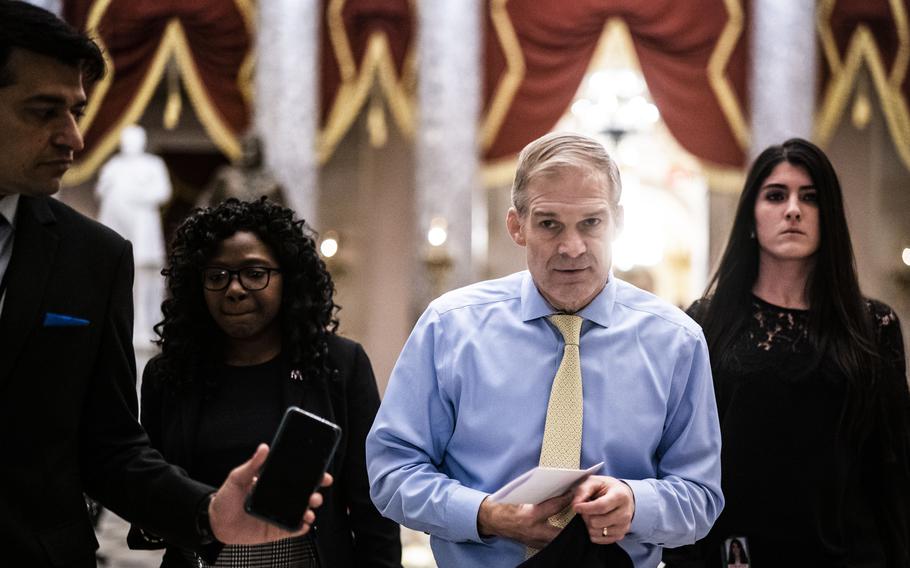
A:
(218, 130)
(501, 171)
(511, 80)
(717, 78)
(863, 49)
(862, 111)
(826, 35)
(174, 104)
(376, 123)
(173, 42)
(339, 39)
(86, 167)
(493, 172)
(352, 94)
(96, 12)
(245, 75)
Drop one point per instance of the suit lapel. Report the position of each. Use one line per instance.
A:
(34, 252)
(309, 395)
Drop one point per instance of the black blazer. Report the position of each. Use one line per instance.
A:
(68, 396)
(349, 530)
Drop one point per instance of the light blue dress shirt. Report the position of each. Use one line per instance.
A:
(465, 408)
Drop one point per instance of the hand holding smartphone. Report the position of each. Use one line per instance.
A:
(299, 456)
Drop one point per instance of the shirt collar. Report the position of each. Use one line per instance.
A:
(599, 310)
(9, 204)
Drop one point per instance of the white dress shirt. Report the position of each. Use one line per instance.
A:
(9, 204)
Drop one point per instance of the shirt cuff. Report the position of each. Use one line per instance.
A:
(644, 519)
(461, 513)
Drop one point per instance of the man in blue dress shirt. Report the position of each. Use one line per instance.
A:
(466, 405)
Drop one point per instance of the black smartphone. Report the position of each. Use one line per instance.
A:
(298, 457)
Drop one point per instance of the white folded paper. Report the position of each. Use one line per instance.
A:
(540, 484)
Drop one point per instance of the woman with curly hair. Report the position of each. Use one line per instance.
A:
(810, 382)
(249, 330)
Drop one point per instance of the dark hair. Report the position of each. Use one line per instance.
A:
(839, 326)
(191, 341)
(23, 26)
(744, 559)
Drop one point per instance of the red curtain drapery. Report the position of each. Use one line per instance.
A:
(693, 56)
(873, 35)
(371, 41)
(365, 43)
(542, 49)
(210, 41)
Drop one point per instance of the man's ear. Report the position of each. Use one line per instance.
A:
(514, 225)
(620, 219)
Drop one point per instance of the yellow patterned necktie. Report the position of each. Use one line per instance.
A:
(562, 434)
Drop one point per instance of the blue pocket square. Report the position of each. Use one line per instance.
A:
(61, 320)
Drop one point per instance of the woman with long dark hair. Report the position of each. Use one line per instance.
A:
(810, 381)
(736, 554)
(248, 330)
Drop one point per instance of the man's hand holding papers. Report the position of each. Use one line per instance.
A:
(520, 509)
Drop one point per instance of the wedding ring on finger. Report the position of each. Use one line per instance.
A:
(604, 532)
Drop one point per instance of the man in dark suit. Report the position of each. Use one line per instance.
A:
(67, 372)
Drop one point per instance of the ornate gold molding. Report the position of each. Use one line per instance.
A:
(717, 78)
(861, 49)
(354, 89)
(216, 127)
(173, 43)
(247, 10)
(96, 12)
(511, 79)
(106, 145)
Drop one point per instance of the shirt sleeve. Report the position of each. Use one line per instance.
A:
(407, 442)
(681, 503)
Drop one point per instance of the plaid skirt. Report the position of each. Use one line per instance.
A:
(297, 552)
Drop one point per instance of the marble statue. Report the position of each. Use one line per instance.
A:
(132, 187)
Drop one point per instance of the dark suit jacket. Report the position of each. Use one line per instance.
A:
(68, 397)
(350, 400)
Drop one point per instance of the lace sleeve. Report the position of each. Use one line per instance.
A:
(890, 340)
(894, 434)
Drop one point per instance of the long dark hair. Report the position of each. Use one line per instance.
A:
(839, 325)
(743, 557)
(190, 339)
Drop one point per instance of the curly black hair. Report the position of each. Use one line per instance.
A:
(190, 339)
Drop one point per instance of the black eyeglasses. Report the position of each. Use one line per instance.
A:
(251, 278)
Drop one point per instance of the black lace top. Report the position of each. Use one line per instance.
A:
(798, 490)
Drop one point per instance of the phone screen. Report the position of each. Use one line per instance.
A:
(299, 455)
